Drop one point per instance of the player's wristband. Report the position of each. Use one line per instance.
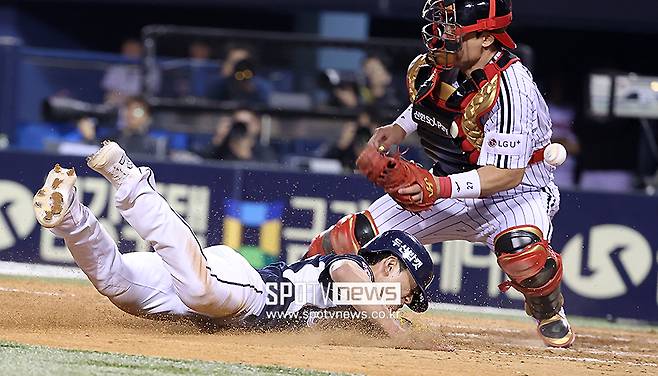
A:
(406, 121)
(463, 185)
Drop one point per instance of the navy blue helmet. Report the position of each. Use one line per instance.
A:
(408, 249)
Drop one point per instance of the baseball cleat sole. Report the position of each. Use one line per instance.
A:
(52, 202)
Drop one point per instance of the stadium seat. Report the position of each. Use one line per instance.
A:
(306, 147)
(175, 140)
(33, 136)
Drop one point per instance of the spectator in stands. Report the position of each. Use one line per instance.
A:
(199, 51)
(353, 139)
(262, 151)
(238, 79)
(342, 89)
(369, 118)
(250, 119)
(85, 132)
(239, 144)
(219, 146)
(201, 68)
(134, 137)
(376, 88)
(126, 80)
(373, 87)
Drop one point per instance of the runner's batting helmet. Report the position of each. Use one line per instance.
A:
(450, 20)
(418, 261)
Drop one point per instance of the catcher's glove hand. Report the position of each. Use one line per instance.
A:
(394, 173)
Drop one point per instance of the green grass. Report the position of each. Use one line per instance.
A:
(24, 360)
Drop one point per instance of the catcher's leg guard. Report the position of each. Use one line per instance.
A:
(535, 270)
(346, 236)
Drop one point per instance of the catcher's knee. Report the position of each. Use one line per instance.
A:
(347, 236)
(533, 267)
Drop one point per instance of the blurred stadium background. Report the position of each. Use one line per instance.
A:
(252, 114)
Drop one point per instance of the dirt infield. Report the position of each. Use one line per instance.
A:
(73, 315)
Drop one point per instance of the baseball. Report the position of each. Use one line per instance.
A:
(555, 154)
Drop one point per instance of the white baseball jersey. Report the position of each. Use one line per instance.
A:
(516, 126)
(213, 285)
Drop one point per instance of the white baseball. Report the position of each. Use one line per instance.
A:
(555, 154)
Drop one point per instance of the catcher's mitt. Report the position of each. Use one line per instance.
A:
(394, 173)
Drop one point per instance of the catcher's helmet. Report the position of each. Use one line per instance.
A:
(450, 20)
(408, 249)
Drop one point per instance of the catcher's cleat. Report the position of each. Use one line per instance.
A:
(556, 331)
(52, 202)
(112, 162)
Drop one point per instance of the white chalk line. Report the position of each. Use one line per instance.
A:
(40, 271)
(579, 349)
(619, 353)
(614, 338)
(561, 357)
(46, 293)
(517, 331)
(479, 328)
(477, 309)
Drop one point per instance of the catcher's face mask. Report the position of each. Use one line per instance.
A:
(442, 36)
(451, 20)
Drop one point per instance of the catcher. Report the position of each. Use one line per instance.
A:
(485, 125)
(216, 286)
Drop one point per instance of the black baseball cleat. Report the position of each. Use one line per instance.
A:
(556, 331)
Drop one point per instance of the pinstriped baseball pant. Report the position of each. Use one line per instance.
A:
(474, 220)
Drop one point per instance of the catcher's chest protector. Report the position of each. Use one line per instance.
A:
(448, 118)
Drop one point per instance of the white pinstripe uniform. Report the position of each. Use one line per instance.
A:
(516, 126)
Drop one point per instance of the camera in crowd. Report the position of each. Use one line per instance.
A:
(62, 109)
(333, 78)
